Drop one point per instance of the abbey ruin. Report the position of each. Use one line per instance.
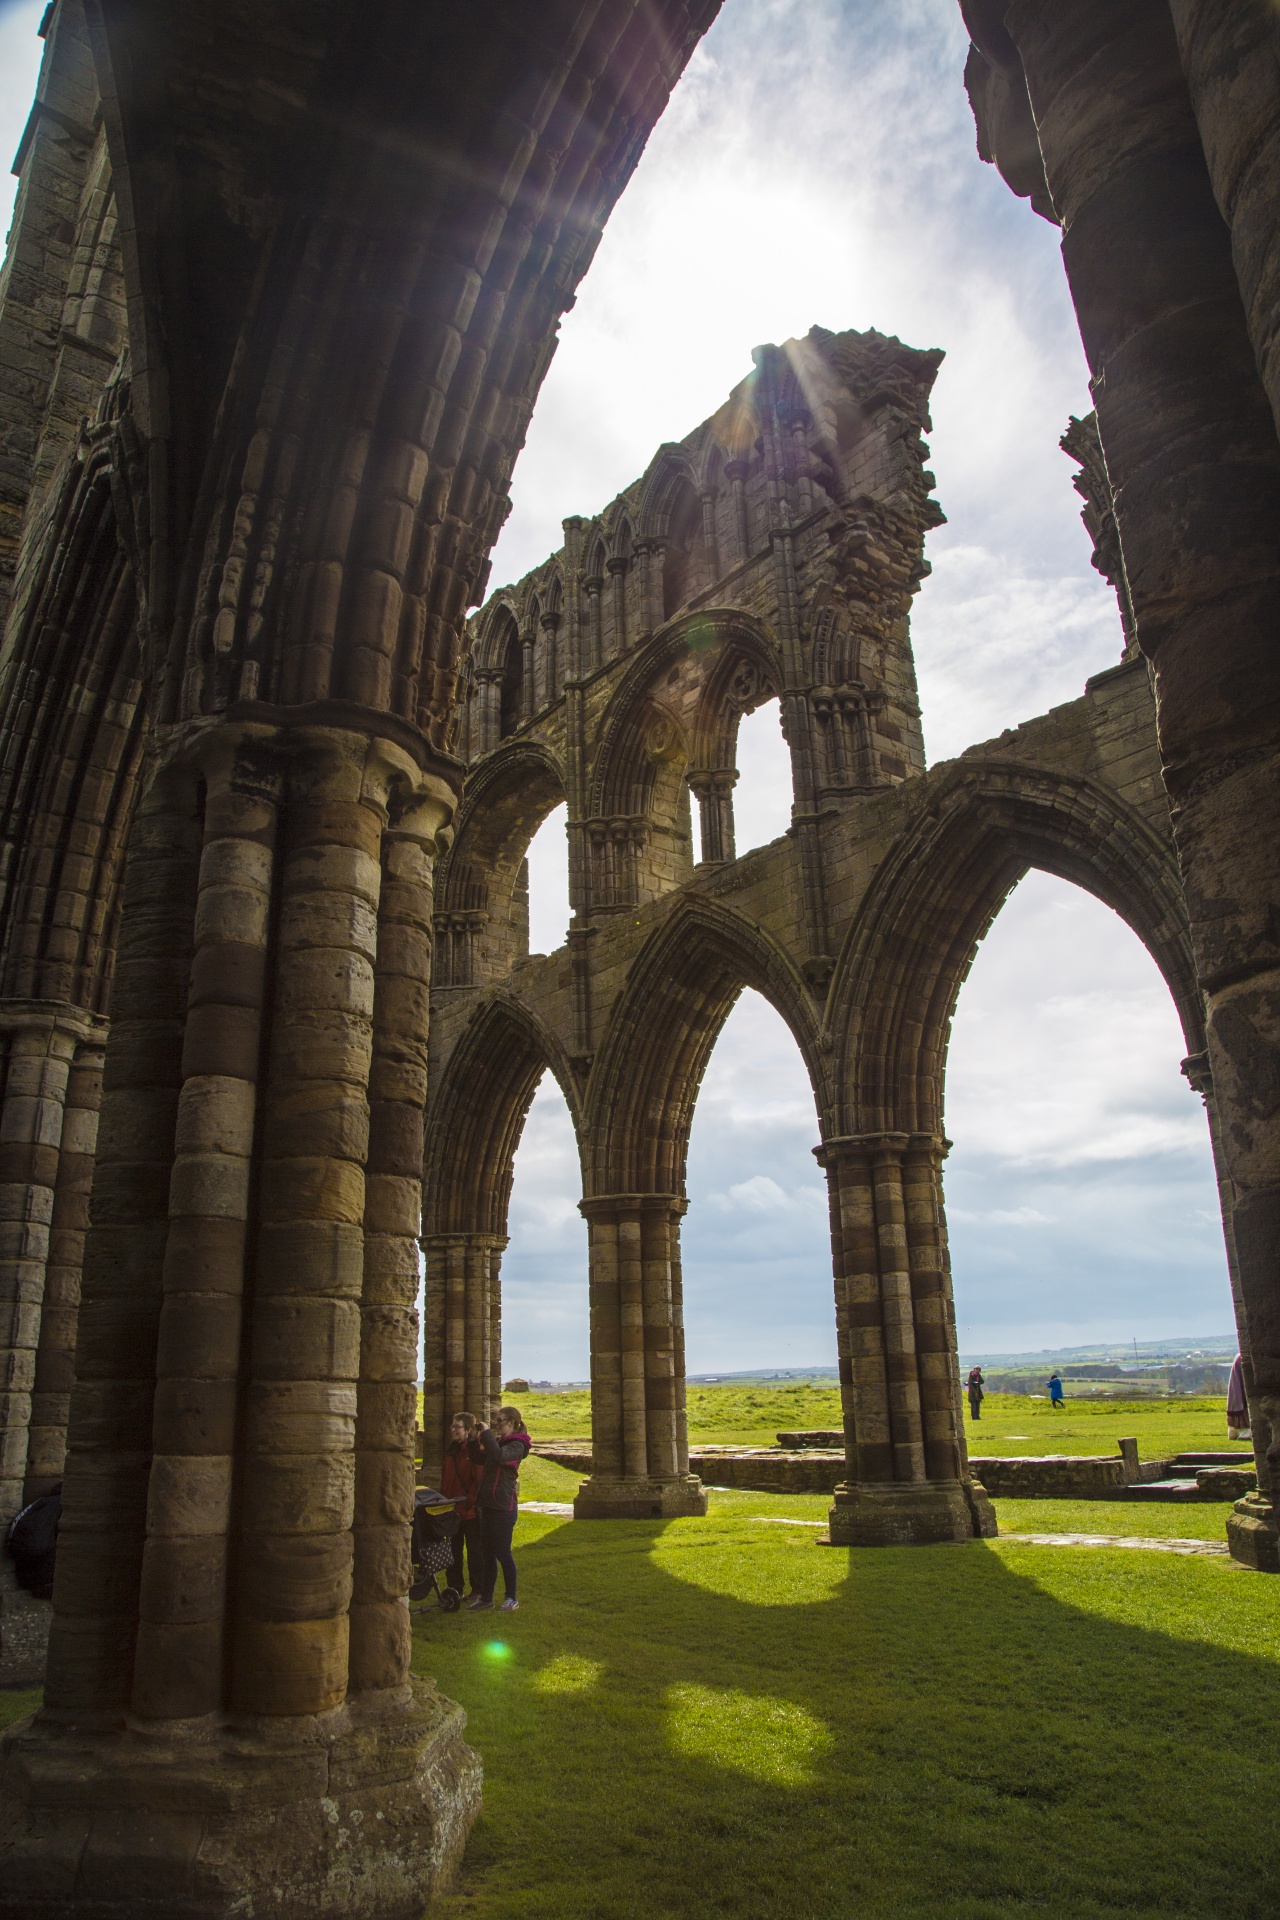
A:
(281, 289)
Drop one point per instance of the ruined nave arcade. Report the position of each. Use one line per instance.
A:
(772, 554)
(282, 286)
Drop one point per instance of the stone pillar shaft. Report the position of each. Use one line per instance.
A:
(1189, 439)
(462, 1346)
(387, 1399)
(36, 1067)
(56, 1354)
(100, 1541)
(179, 1670)
(640, 1449)
(295, 1573)
(896, 1341)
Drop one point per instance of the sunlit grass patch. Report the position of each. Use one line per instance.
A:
(969, 1731)
(766, 1739)
(568, 1673)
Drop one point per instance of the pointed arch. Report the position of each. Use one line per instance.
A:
(681, 988)
(906, 956)
(477, 1114)
(481, 917)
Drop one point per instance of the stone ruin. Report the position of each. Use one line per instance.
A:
(281, 289)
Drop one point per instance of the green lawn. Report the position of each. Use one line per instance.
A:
(703, 1718)
(1011, 1423)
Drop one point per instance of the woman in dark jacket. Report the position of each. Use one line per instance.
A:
(499, 1451)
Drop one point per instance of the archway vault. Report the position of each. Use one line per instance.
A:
(679, 992)
(934, 896)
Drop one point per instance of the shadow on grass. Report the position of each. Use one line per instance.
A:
(699, 1719)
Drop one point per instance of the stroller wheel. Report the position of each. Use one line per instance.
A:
(450, 1601)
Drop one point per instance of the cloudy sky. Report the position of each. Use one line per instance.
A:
(817, 163)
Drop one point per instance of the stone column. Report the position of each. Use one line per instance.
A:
(179, 1669)
(36, 1066)
(56, 1354)
(593, 589)
(737, 471)
(1230, 53)
(1190, 444)
(904, 1483)
(386, 1405)
(40, 1044)
(109, 1432)
(228, 1703)
(640, 1453)
(710, 544)
(617, 567)
(714, 793)
(488, 703)
(551, 675)
(462, 1345)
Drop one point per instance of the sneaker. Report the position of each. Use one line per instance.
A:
(509, 1605)
(478, 1604)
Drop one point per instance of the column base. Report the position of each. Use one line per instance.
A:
(24, 1633)
(1253, 1534)
(601, 1498)
(981, 1511)
(361, 1813)
(901, 1513)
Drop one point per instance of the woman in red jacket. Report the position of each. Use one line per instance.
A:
(499, 1454)
(460, 1482)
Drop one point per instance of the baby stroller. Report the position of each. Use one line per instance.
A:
(435, 1521)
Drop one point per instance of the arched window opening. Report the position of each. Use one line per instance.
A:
(680, 560)
(756, 1248)
(545, 1318)
(762, 795)
(546, 874)
(1082, 1204)
(511, 711)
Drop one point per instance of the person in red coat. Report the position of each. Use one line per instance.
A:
(460, 1482)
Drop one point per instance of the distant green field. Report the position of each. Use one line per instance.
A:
(1010, 1423)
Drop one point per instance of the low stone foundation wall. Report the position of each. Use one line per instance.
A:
(747, 1469)
(1052, 1476)
(770, 1470)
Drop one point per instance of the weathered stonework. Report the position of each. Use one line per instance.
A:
(281, 291)
(791, 579)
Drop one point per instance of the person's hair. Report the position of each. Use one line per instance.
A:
(513, 1416)
(468, 1420)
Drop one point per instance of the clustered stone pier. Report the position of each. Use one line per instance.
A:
(281, 289)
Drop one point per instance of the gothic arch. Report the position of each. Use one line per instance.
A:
(479, 930)
(681, 989)
(477, 1114)
(935, 896)
(474, 1123)
(72, 701)
(750, 638)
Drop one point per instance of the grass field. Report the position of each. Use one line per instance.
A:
(701, 1718)
(1011, 1423)
(695, 1719)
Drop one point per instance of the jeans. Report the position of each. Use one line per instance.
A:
(495, 1538)
(469, 1534)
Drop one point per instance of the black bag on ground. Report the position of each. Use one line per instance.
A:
(32, 1542)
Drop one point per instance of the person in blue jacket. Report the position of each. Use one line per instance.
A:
(1055, 1391)
(500, 1452)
